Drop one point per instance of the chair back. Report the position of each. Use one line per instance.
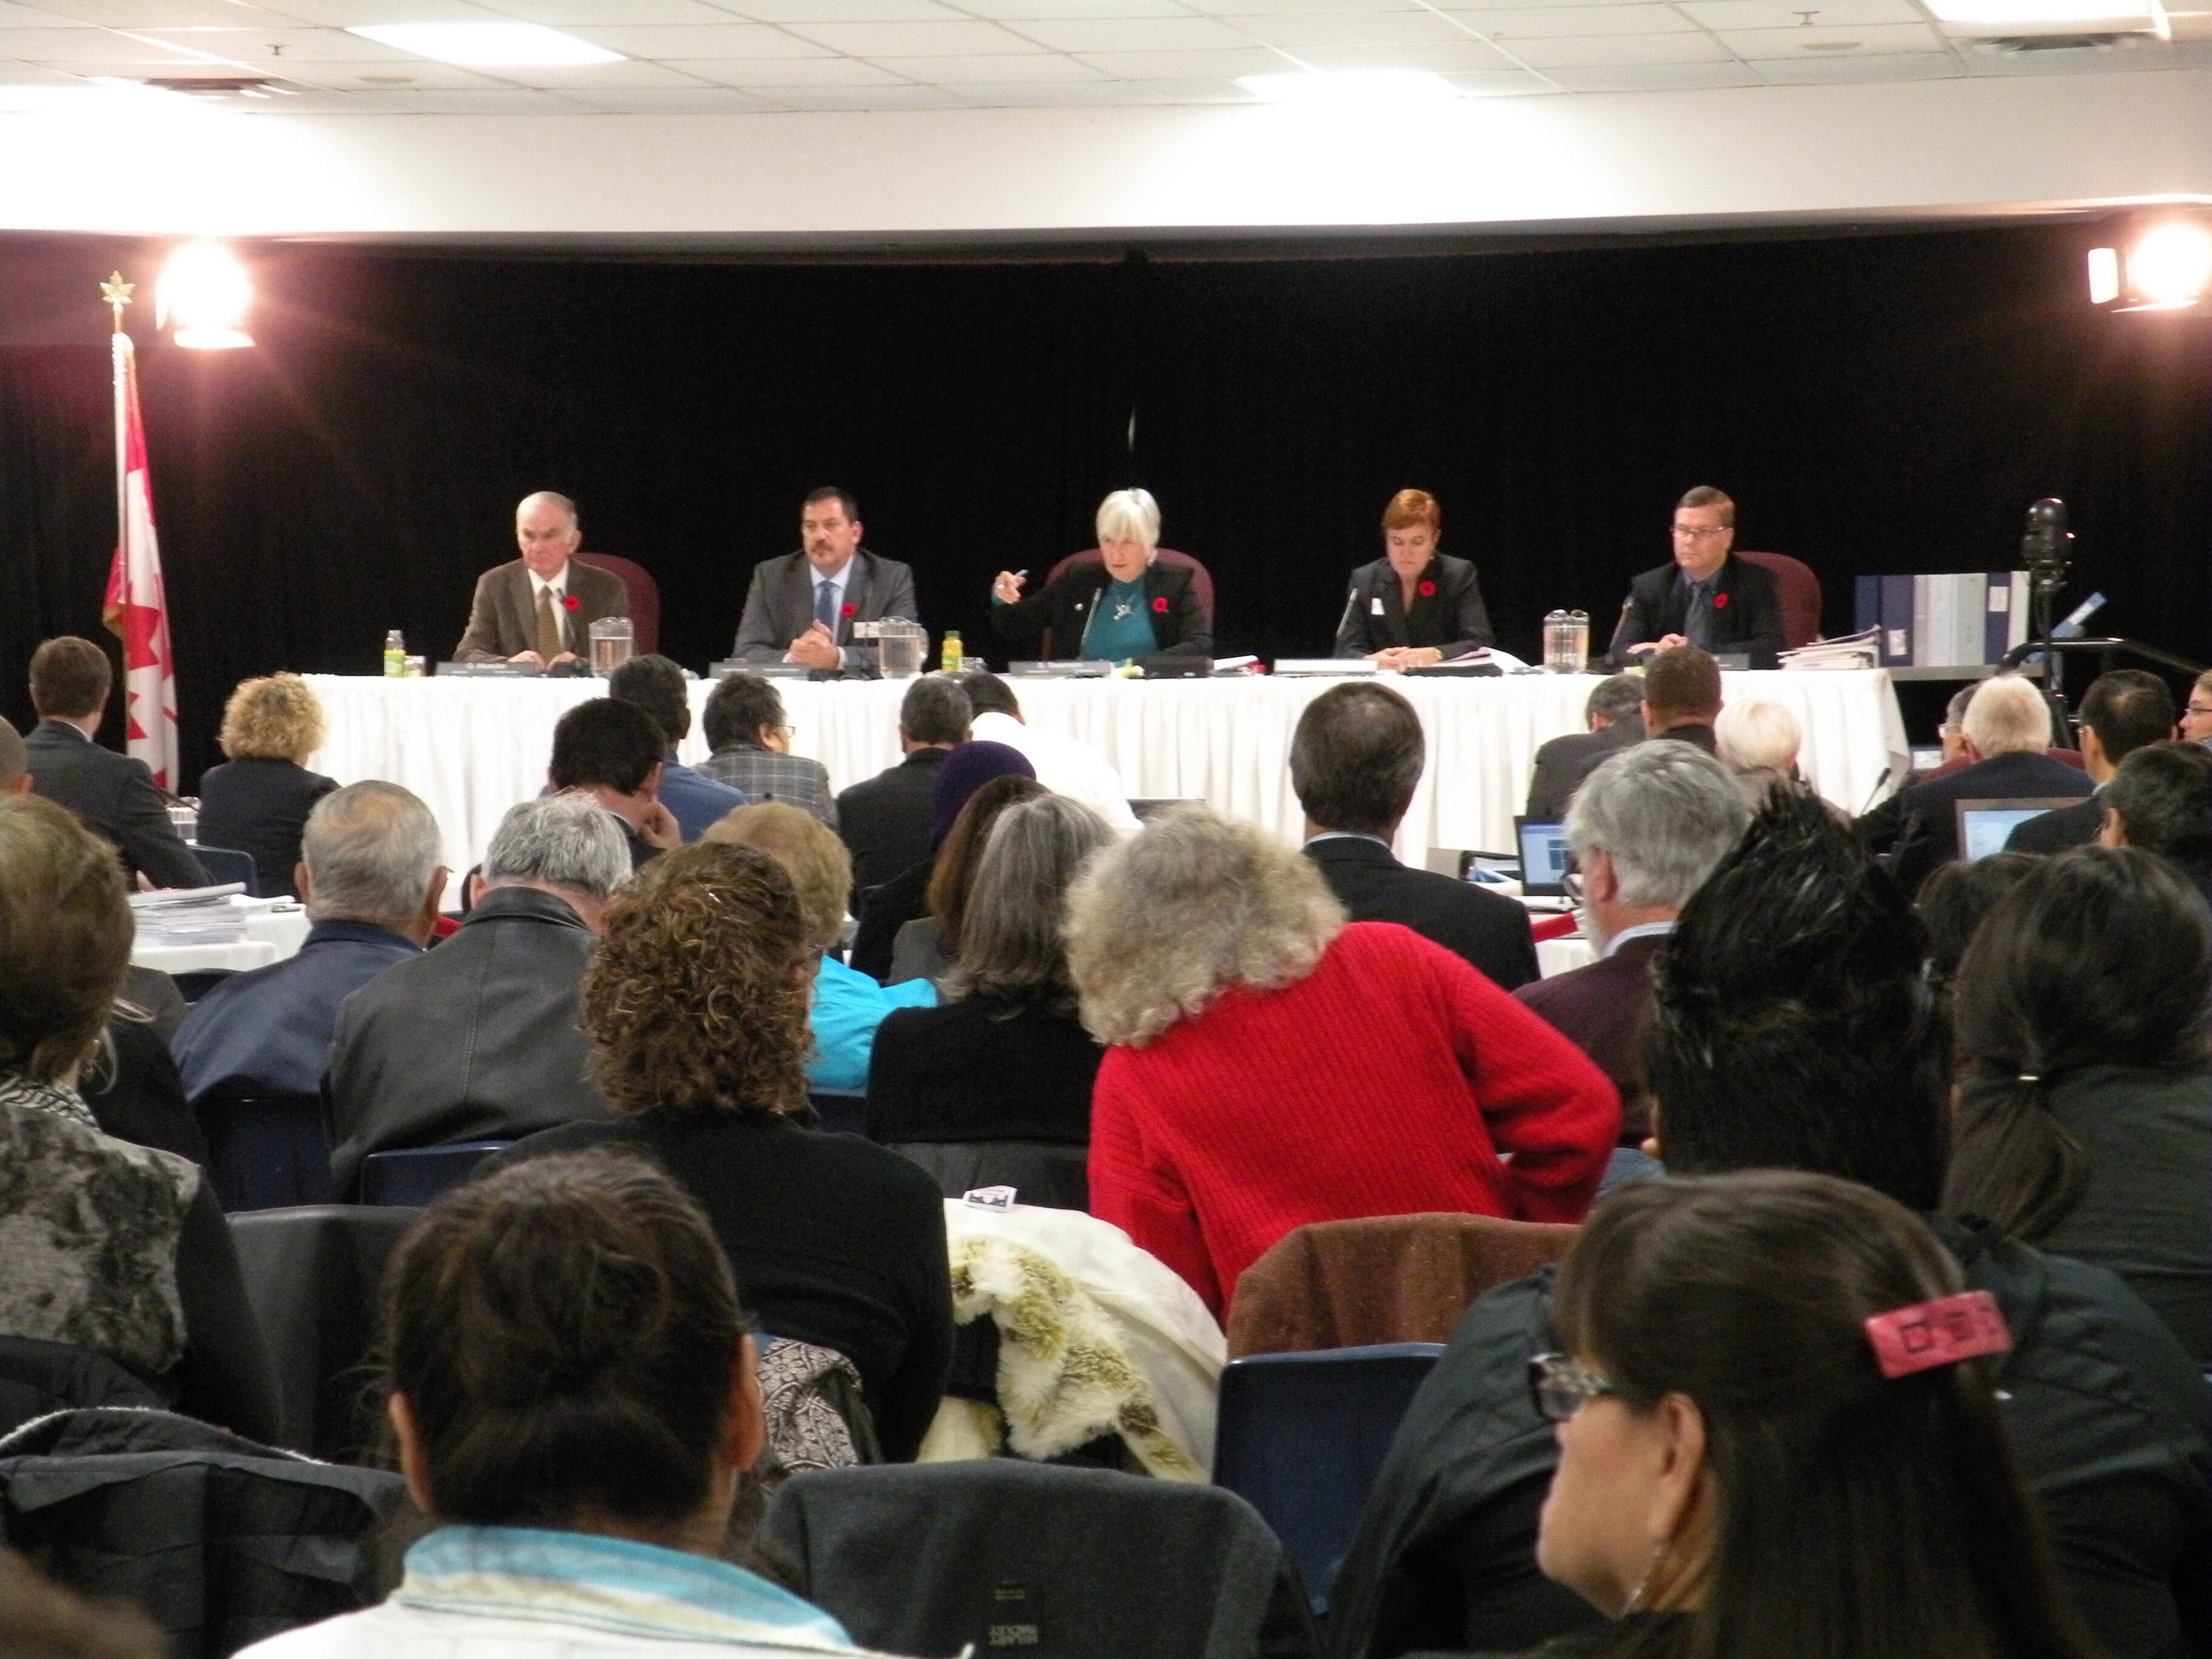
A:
(1302, 1436)
(1798, 590)
(224, 864)
(644, 598)
(194, 983)
(417, 1175)
(266, 1152)
(841, 1111)
(312, 1276)
(1383, 1279)
(1056, 1177)
(1201, 580)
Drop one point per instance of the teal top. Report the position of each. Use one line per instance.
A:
(1121, 625)
(849, 1006)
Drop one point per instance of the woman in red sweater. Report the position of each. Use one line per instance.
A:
(1273, 1066)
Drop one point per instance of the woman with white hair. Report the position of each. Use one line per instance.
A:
(1758, 741)
(1125, 604)
(1273, 1065)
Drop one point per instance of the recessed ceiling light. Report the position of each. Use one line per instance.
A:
(487, 46)
(2016, 14)
(1833, 46)
(1350, 87)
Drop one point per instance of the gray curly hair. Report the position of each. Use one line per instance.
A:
(1161, 924)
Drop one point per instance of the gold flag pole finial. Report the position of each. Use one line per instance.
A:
(118, 293)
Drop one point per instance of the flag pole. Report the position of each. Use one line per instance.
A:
(118, 293)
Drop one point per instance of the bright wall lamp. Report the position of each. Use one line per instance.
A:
(2164, 264)
(206, 293)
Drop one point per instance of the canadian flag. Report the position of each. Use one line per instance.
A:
(136, 611)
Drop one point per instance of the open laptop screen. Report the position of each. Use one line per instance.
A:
(1984, 825)
(1543, 858)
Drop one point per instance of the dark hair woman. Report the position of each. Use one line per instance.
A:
(696, 1005)
(573, 1393)
(1776, 1437)
(2083, 1010)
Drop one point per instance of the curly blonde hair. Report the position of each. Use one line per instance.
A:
(820, 868)
(696, 999)
(1161, 924)
(275, 718)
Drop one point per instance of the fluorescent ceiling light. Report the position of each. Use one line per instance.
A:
(2002, 13)
(1361, 86)
(487, 46)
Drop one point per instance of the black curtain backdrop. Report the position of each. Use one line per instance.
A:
(1880, 403)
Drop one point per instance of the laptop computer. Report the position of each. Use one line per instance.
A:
(1544, 858)
(1984, 825)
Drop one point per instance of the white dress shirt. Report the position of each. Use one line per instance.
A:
(1066, 766)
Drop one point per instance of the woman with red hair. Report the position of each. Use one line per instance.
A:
(1412, 606)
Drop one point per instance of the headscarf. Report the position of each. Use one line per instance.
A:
(962, 772)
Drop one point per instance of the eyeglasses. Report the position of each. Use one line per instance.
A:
(1560, 1387)
(1571, 882)
(2198, 709)
(1693, 533)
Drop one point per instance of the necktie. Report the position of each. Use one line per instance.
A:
(1697, 624)
(825, 606)
(549, 627)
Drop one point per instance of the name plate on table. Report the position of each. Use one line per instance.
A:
(1333, 666)
(488, 671)
(767, 670)
(1087, 668)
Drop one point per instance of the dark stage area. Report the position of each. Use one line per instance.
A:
(1884, 402)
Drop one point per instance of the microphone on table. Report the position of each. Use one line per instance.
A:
(1875, 793)
(1351, 599)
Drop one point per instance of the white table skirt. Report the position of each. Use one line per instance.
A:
(275, 929)
(471, 748)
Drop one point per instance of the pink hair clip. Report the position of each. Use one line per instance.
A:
(1919, 1338)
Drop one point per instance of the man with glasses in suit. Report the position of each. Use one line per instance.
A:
(1707, 597)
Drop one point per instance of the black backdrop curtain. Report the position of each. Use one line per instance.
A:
(1877, 403)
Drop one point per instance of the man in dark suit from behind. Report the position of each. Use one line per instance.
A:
(2008, 732)
(884, 821)
(1707, 597)
(537, 610)
(1682, 697)
(2122, 711)
(1615, 715)
(1355, 758)
(1646, 828)
(658, 687)
(69, 683)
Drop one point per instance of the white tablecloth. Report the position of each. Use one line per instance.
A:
(471, 748)
(275, 929)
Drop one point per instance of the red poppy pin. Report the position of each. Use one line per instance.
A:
(571, 602)
(1427, 590)
(1720, 601)
(851, 610)
(1160, 605)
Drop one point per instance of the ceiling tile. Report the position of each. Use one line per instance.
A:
(789, 72)
(1881, 37)
(1050, 95)
(1580, 50)
(561, 77)
(1654, 77)
(1855, 67)
(2119, 60)
(1299, 30)
(579, 14)
(1017, 10)
(1547, 22)
(1040, 68)
(36, 74)
(95, 49)
(517, 100)
(1446, 57)
(160, 14)
(1506, 84)
(843, 11)
(415, 74)
(666, 100)
(674, 42)
(319, 45)
(1189, 66)
(917, 39)
(345, 13)
(1781, 15)
(29, 17)
(1136, 34)
(899, 96)
(1279, 7)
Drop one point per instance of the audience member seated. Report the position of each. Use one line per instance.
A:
(572, 1393)
(848, 1006)
(132, 1088)
(660, 688)
(1682, 697)
(257, 802)
(697, 1011)
(887, 908)
(1125, 605)
(610, 751)
(885, 820)
(2084, 1048)
(370, 875)
(1956, 900)
(2160, 801)
(744, 727)
(2007, 734)
(1756, 1456)
(926, 947)
(2194, 722)
(111, 1247)
(1792, 1028)
(1882, 824)
(1758, 741)
(1614, 715)
(479, 1039)
(1005, 1058)
(2122, 711)
(1066, 766)
(1646, 828)
(70, 680)
(1273, 1066)
(1356, 759)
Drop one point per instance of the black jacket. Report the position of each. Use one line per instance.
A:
(1747, 611)
(116, 796)
(886, 908)
(478, 1040)
(1563, 762)
(982, 1069)
(1928, 832)
(2108, 1416)
(260, 806)
(885, 823)
(1179, 622)
(1447, 611)
(1488, 929)
(2060, 828)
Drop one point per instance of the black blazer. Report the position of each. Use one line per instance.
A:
(1447, 611)
(503, 614)
(260, 806)
(982, 1069)
(1563, 762)
(780, 606)
(884, 821)
(2059, 828)
(1928, 835)
(116, 796)
(1490, 930)
(1746, 613)
(1178, 620)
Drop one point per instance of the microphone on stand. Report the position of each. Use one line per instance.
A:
(1875, 793)
(1351, 599)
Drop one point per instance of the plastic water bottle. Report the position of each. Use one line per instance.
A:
(395, 656)
(954, 653)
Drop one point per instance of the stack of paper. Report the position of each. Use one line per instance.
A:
(190, 916)
(1857, 650)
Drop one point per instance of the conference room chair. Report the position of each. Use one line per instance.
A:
(994, 1555)
(312, 1277)
(841, 1111)
(1381, 1278)
(227, 864)
(417, 1175)
(1798, 590)
(1042, 1173)
(266, 1152)
(644, 598)
(195, 982)
(1201, 581)
(1302, 1437)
